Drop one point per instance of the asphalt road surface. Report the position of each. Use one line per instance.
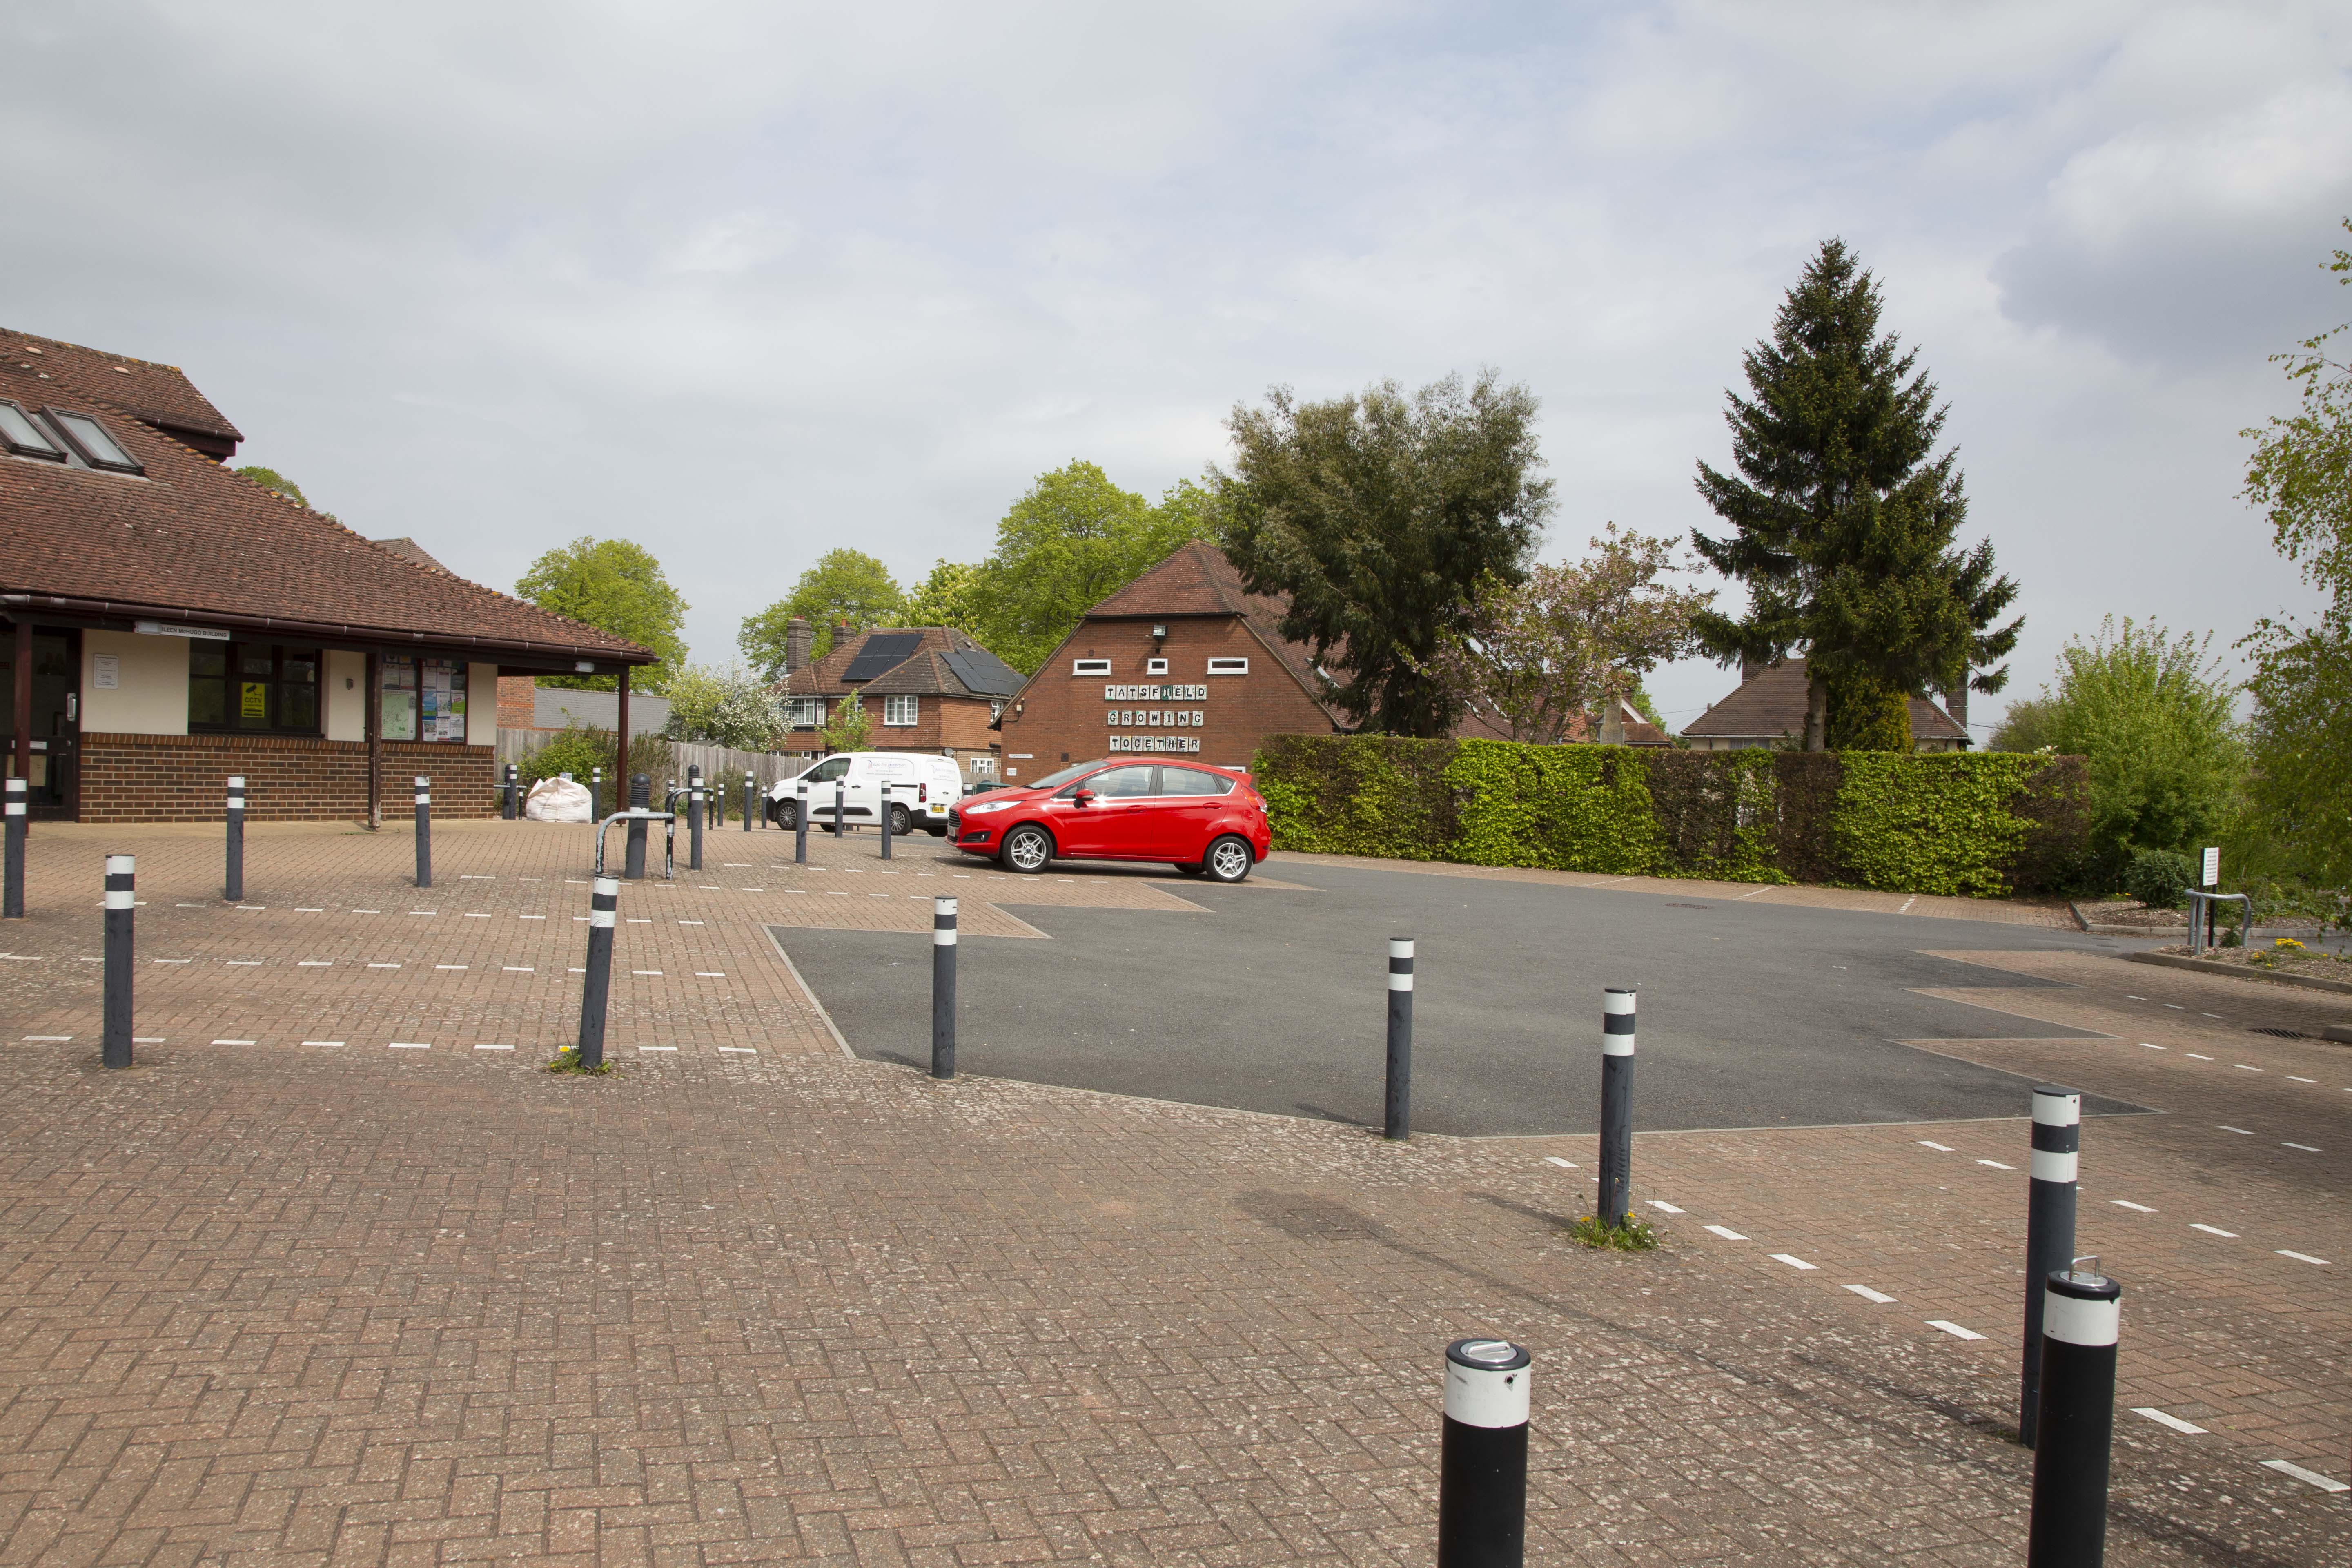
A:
(1750, 1016)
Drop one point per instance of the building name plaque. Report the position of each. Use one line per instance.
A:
(171, 629)
(1155, 694)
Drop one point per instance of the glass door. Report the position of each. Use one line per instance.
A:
(53, 784)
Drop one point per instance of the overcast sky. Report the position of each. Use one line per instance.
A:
(744, 282)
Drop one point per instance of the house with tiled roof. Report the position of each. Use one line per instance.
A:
(932, 689)
(169, 624)
(1767, 709)
(1183, 660)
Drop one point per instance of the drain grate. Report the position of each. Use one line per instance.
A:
(2280, 1034)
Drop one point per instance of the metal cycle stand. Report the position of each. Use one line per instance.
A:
(2200, 914)
(669, 838)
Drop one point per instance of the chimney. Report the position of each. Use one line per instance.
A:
(1748, 668)
(840, 635)
(1955, 703)
(797, 638)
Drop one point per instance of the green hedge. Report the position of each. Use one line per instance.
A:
(1982, 823)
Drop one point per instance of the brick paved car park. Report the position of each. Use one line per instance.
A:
(753, 1299)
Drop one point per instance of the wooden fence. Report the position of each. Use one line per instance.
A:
(715, 762)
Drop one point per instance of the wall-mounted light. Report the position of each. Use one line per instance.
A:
(585, 666)
(1160, 631)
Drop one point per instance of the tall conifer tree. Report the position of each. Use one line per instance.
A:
(1842, 519)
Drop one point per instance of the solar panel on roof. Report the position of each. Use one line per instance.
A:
(983, 673)
(882, 652)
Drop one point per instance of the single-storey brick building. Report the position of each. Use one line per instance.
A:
(1767, 709)
(168, 624)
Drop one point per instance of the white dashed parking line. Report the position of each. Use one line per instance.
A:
(2127, 1203)
(2175, 1422)
(1867, 1294)
(1953, 1329)
(2215, 1230)
(2304, 1258)
(2312, 1478)
(1725, 1232)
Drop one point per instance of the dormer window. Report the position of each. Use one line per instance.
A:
(24, 439)
(90, 439)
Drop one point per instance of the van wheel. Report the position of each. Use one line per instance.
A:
(1228, 860)
(1027, 848)
(788, 815)
(902, 821)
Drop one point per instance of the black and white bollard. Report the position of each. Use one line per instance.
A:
(2082, 1318)
(799, 829)
(885, 819)
(694, 817)
(943, 987)
(12, 888)
(750, 801)
(233, 880)
(423, 831)
(507, 793)
(115, 1047)
(1399, 1121)
(840, 795)
(1482, 1466)
(597, 982)
(595, 794)
(641, 798)
(1616, 1104)
(2049, 1230)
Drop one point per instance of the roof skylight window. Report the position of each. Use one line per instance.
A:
(21, 437)
(90, 438)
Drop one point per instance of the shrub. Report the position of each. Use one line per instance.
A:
(579, 748)
(2155, 877)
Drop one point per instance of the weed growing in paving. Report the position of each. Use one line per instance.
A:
(567, 1060)
(1635, 1234)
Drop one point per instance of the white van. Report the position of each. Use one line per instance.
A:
(921, 790)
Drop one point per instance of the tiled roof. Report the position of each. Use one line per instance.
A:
(921, 672)
(1199, 579)
(408, 549)
(190, 540)
(1770, 706)
(155, 395)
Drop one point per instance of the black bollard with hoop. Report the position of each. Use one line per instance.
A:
(120, 901)
(233, 880)
(641, 800)
(1482, 1466)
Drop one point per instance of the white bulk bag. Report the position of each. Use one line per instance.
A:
(557, 800)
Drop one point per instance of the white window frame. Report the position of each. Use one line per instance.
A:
(807, 713)
(983, 767)
(1229, 666)
(1155, 667)
(900, 711)
(1089, 667)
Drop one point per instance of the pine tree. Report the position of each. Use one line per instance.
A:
(1842, 518)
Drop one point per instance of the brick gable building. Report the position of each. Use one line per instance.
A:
(1183, 660)
(924, 689)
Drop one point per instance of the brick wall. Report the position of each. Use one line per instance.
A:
(182, 778)
(1065, 718)
(518, 703)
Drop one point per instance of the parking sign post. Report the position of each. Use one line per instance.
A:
(1616, 1103)
(1481, 1464)
(1399, 1098)
(596, 984)
(12, 896)
(694, 817)
(423, 831)
(885, 819)
(943, 987)
(233, 883)
(2049, 1230)
(800, 829)
(115, 1041)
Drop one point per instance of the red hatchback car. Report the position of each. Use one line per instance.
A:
(1205, 821)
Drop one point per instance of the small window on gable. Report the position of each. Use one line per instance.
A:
(1155, 667)
(21, 437)
(90, 438)
(1090, 667)
(1229, 666)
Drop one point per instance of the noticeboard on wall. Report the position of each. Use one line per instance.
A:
(423, 699)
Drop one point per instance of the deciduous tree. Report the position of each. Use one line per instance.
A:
(615, 586)
(844, 586)
(1538, 657)
(1381, 516)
